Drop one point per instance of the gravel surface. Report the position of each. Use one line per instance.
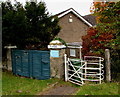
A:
(60, 90)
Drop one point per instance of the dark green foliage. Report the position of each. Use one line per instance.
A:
(108, 17)
(61, 40)
(109, 21)
(29, 26)
(115, 64)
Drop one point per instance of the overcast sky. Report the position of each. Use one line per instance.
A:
(57, 6)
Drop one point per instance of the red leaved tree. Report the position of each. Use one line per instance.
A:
(106, 34)
(94, 43)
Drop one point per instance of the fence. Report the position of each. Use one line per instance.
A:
(31, 63)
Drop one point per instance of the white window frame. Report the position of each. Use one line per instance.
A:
(72, 52)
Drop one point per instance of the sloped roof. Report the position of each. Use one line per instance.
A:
(75, 45)
(61, 14)
(91, 19)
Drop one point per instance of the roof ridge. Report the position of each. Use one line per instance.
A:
(63, 11)
(61, 14)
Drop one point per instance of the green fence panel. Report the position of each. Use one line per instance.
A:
(31, 63)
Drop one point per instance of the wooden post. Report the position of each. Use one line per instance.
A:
(107, 65)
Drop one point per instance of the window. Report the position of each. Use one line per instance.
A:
(70, 20)
(54, 53)
(72, 53)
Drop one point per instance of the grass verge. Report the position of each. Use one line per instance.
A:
(15, 85)
(99, 89)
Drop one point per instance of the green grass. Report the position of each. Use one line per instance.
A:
(12, 84)
(99, 89)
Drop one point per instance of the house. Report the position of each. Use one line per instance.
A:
(73, 27)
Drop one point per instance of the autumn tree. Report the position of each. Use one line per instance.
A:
(108, 19)
(94, 43)
(107, 29)
(28, 27)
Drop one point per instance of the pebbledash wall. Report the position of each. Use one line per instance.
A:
(72, 31)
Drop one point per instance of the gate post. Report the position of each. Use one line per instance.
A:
(57, 51)
(107, 63)
(66, 72)
(9, 61)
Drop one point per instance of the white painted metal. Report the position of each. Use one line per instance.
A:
(56, 46)
(96, 61)
(91, 68)
(75, 70)
(81, 73)
(10, 47)
(75, 83)
(66, 69)
(100, 69)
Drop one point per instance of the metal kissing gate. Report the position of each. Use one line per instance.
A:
(78, 71)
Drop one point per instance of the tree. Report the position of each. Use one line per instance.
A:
(108, 19)
(107, 32)
(29, 26)
(95, 42)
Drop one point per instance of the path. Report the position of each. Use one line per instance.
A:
(60, 90)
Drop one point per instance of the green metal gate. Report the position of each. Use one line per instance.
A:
(31, 63)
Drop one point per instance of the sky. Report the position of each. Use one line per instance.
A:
(57, 6)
